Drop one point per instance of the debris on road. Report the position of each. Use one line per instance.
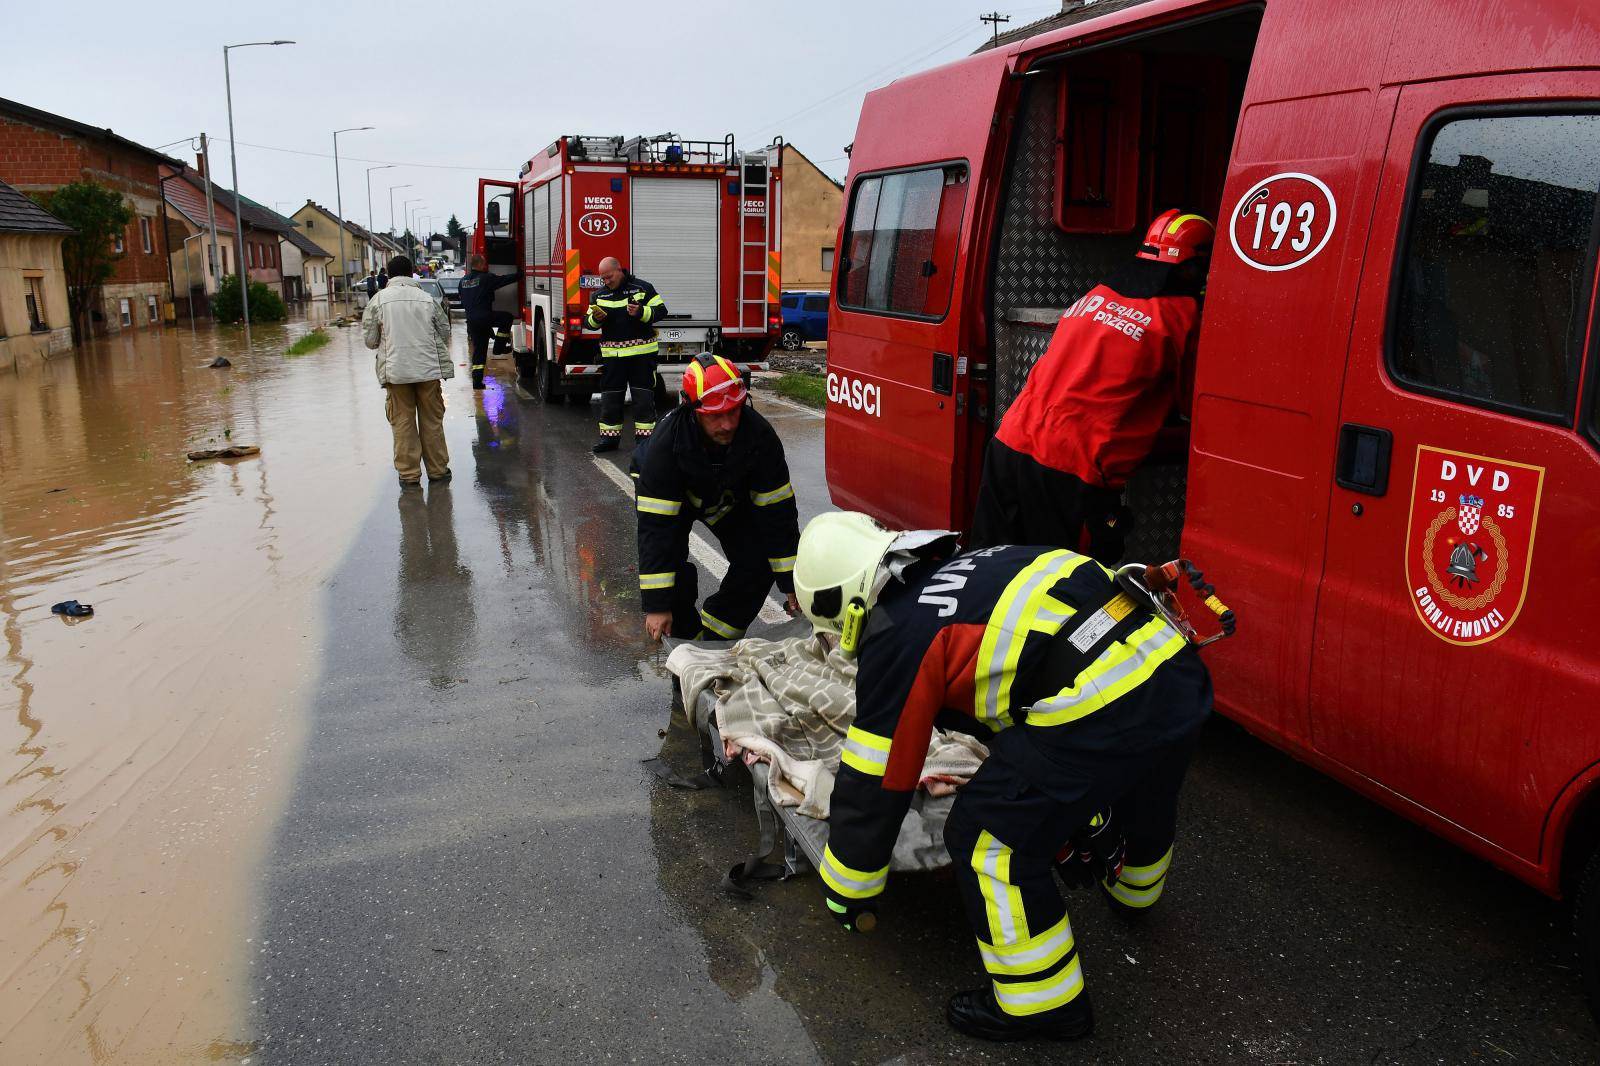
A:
(73, 609)
(232, 451)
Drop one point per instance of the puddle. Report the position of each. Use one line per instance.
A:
(154, 743)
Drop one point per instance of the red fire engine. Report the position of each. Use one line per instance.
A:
(700, 220)
(1394, 454)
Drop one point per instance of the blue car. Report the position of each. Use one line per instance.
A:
(805, 318)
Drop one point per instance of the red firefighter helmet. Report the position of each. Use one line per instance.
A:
(1175, 237)
(712, 384)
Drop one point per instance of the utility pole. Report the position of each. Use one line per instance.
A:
(996, 18)
(215, 269)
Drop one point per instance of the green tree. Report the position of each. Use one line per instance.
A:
(265, 305)
(454, 229)
(97, 215)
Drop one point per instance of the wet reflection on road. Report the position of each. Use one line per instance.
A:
(152, 742)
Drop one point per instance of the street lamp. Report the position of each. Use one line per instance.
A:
(415, 224)
(392, 188)
(387, 166)
(405, 216)
(344, 267)
(233, 162)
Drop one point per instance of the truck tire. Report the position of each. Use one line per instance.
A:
(552, 384)
(791, 340)
(1586, 928)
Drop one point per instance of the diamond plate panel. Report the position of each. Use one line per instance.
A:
(1040, 266)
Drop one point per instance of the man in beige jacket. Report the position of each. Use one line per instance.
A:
(411, 333)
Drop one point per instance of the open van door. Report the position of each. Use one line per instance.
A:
(1454, 658)
(899, 362)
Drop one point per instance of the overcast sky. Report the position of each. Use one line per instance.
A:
(472, 95)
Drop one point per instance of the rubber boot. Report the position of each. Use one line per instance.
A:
(975, 1013)
(477, 377)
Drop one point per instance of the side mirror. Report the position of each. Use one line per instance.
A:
(494, 212)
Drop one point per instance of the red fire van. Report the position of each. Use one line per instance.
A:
(1394, 456)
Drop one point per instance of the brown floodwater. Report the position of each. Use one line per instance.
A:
(149, 748)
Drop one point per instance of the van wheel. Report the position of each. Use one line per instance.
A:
(791, 340)
(1586, 928)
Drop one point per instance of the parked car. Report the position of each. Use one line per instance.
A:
(433, 288)
(451, 284)
(805, 318)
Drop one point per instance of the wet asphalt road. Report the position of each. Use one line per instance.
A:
(476, 866)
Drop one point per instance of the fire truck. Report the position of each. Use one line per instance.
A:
(700, 220)
(1394, 450)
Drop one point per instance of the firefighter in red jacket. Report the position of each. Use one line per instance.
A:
(716, 460)
(1120, 363)
(1091, 702)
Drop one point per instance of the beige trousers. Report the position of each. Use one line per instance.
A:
(416, 414)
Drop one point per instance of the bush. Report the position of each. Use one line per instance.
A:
(265, 305)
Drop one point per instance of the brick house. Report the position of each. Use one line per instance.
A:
(39, 152)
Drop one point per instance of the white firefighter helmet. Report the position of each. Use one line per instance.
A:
(836, 571)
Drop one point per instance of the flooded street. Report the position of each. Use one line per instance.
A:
(156, 740)
(340, 774)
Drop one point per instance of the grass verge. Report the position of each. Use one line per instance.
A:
(308, 343)
(809, 389)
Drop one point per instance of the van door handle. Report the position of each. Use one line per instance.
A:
(944, 373)
(1362, 464)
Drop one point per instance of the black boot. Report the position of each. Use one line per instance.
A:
(477, 377)
(975, 1013)
(606, 444)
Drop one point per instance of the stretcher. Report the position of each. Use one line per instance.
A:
(920, 846)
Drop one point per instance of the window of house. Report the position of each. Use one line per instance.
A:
(38, 322)
(117, 244)
(251, 248)
(827, 260)
(145, 237)
(151, 308)
(125, 305)
(900, 245)
(1496, 262)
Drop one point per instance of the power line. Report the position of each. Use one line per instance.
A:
(359, 159)
(944, 41)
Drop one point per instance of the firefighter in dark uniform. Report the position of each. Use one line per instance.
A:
(715, 459)
(1090, 701)
(1119, 365)
(625, 313)
(477, 301)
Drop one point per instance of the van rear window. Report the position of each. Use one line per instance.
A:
(1497, 266)
(900, 247)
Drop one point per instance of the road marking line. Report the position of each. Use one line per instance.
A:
(707, 556)
(769, 397)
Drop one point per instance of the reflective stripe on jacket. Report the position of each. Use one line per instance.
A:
(994, 635)
(683, 477)
(622, 334)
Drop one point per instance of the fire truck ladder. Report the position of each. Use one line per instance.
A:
(757, 166)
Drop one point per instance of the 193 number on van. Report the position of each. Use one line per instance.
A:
(1283, 221)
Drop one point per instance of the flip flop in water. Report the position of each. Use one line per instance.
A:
(72, 609)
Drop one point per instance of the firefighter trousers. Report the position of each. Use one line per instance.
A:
(479, 333)
(617, 376)
(1022, 501)
(1006, 829)
(727, 612)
